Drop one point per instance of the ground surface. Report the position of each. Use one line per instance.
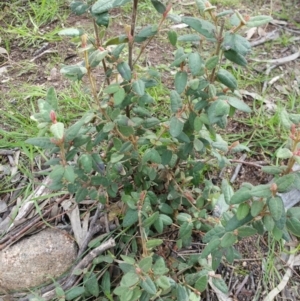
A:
(33, 65)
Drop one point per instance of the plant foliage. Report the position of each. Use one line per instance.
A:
(156, 164)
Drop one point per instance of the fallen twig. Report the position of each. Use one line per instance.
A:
(238, 168)
(273, 35)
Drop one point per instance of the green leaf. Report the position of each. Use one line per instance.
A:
(86, 162)
(176, 126)
(153, 243)
(102, 6)
(81, 194)
(151, 122)
(150, 220)
(180, 57)
(198, 123)
(142, 112)
(92, 285)
(212, 62)
(138, 87)
(261, 191)
(42, 142)
(242, 211)
(126, 130)
(286, 182)
(216, 110)
(210, 247)
(235, 223)
(96, 57)
(185, 230)
(128, 259)
(285, 119)
(75, 72)
(119, 96)
(163, 282)
(130, 218)
(293, 225)
(227, 79)
(235, 57)
(268, 223)
(146, 33)
(57, 173)
(145, 264)
(78, 7)
(257, 21)
(148, 285)
(172, 36)
(198, 145)
(51, 98)
(124, 70)
(152, 155)
(184, 217)
(124, 292)
(284, 153)
(189, 38)
(129, 279)
(246, 231)
(159, 267)
(228, 240)
(220, 284)
(176, 101)
(160, 7)
(256, 208)
(181, 293)
(72, 132)
(240, 196)
(116, 157)
(105, 283)
(75, 292)
(57, 129)
(237, 43)
(59, 292)
(276, 207)
(71, 32)
(69, 174)
(238, 104)
(195, 64)
(108, 127)
(227, 191)
(180, 81)
(101, 19)
(201, 284)
(204, 27)
(165, 218)
(272, 170)
(218, 231)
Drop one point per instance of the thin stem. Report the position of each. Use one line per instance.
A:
(132, 30)
(149, 40)
(98, 44)
(218, 49)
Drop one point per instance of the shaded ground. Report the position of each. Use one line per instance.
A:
(39, 65)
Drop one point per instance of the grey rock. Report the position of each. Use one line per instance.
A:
(36, 260)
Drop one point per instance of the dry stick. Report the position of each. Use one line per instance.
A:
(91, 232)
(238, 168)
(241, 285)
(5, 152)
(18, 233)
(273, 35)
(275, 291)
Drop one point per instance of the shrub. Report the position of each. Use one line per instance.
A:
(156, 164)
